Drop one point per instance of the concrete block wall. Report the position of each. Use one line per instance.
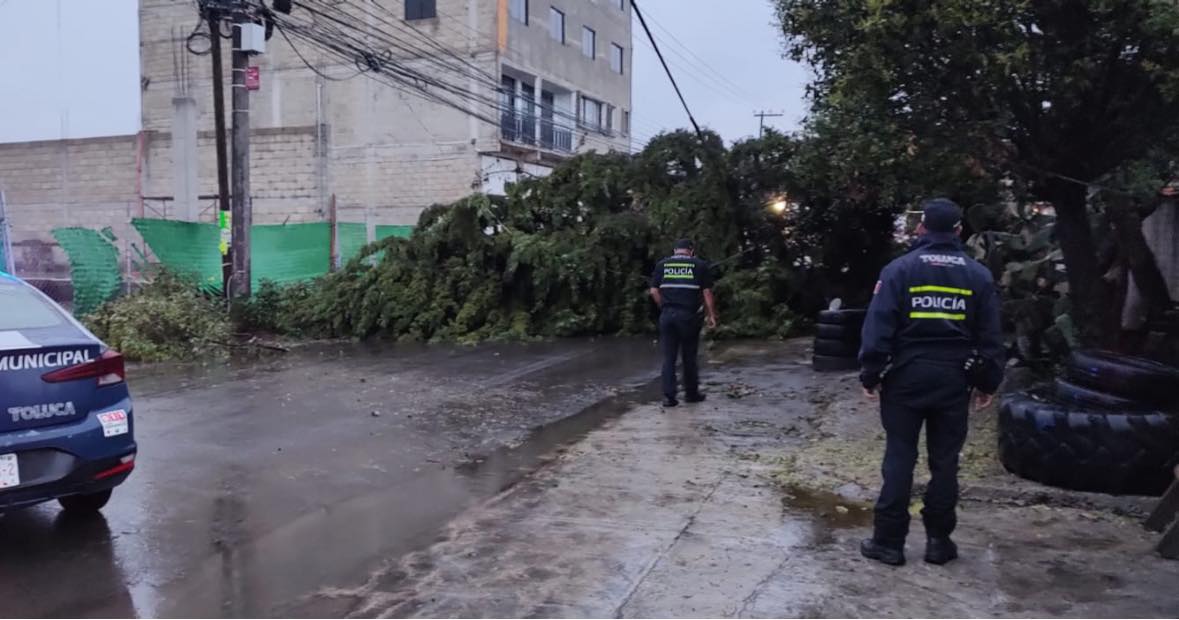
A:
(285, 184)
(53, 184)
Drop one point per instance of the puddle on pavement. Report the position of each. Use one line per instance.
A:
(343, 543)
(829, 509)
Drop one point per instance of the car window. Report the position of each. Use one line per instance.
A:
(23, 308)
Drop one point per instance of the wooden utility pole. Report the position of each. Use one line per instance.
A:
(223, 211)
(761, 126)
(241, 208)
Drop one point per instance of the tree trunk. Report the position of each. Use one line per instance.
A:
(1080, 254)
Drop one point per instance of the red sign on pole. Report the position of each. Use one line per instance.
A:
(253, 79)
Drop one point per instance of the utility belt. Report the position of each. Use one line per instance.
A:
(686, 312)
(966, 358)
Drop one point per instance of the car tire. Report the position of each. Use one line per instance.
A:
(85, 502)
(836, 348)
(1136, 378)
(847, 333)
(843, 317)
(1065, 445)
(1070, 392)
(829, 363)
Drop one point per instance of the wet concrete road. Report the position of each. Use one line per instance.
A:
(671, 513)
(260, 484)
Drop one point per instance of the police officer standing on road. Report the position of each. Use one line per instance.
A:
(931, 336)
(679, 285)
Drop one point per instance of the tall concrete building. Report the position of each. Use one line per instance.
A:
(523, 84)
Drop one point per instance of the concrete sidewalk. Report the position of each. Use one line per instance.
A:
(674, 513)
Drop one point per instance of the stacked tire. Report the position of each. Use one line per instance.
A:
(837, 340)
(1109, 425)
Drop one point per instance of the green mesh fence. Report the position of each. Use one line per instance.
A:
(386, 231)
(94, 266)
(282, 253)
(189, 248)
(351, 238)
(290, 253)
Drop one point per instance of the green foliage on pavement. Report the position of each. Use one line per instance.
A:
(782, 218)
(167, 319)
(570, 254)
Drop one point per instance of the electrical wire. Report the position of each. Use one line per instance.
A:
(448, 19)
(197, 34)
(348, 47)
(308, 64)
(707, 83)
(634, 4)
(705, 67)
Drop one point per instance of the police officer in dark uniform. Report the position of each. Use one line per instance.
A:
(931, 336)
(679, 285)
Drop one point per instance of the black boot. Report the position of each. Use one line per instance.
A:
(670, 402)
(695, 398)
(873, 550)
(939, 550)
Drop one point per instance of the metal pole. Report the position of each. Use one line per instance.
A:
(241, 166)
(223, 213)
(334, 242)
(9, 264)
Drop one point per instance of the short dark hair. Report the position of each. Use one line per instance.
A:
(941, 215)
(685, 244)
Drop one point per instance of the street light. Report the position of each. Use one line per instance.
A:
(779, 204)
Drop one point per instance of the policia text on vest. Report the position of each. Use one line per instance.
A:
(680, 285)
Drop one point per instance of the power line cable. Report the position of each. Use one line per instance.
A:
(485, 77)
(703, 63)
(449, 18)
(710, 85)
(634, 4)
(348, 48)
(312, 67)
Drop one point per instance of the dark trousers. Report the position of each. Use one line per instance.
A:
(936, 394)
(679, 332)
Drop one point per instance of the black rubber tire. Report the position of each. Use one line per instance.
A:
(1080, 395)
(85, 502)
(828, 363)
(846, 333)
(836, 348)
(843, 317)
(1064, 445)
(1135, 378)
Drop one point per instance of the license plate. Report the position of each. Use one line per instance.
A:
(9, 471)
(113, 423)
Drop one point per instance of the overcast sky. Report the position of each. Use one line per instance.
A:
(70, 68)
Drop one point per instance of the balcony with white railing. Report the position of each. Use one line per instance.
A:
(536, 114)
(524, 129)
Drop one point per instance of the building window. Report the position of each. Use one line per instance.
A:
(610, 119)
(421, 9)
(519, 10)
(556, 25)
(626, 122)
(616, 56)
(589, 42)
(591, 113)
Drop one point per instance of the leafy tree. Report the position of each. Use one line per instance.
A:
(1038, 93)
